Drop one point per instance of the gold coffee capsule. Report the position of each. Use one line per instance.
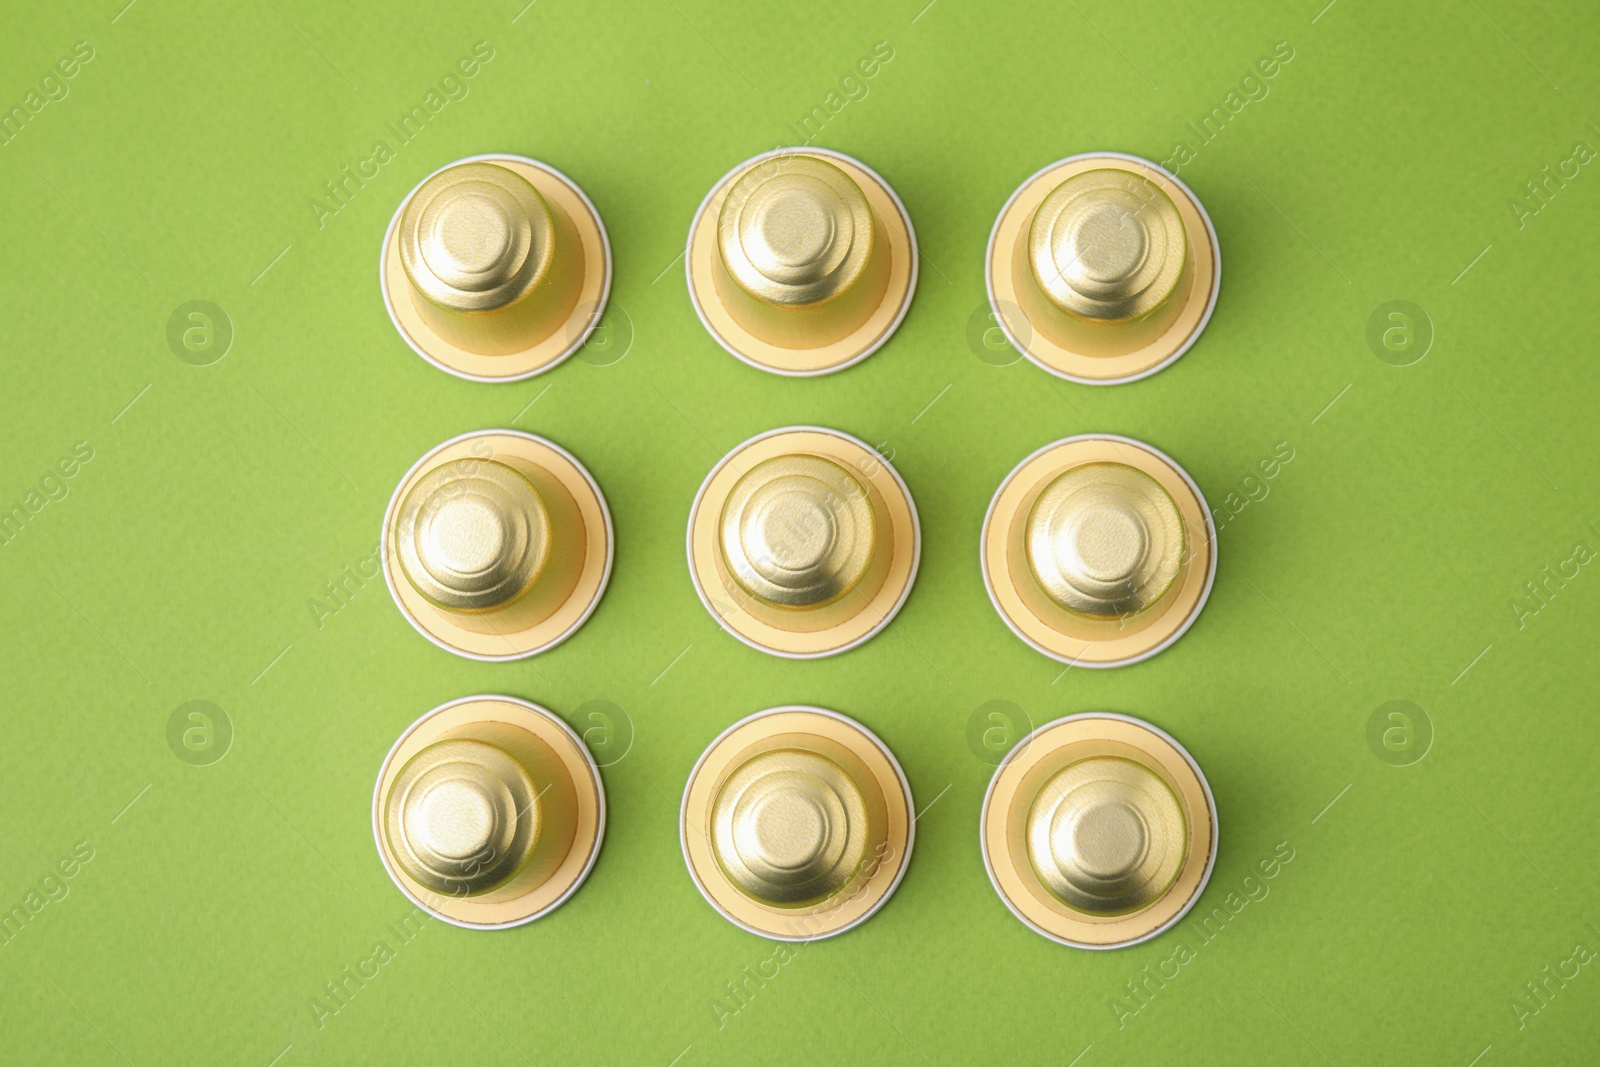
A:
(497, 545)
(803, 542)
(1103, 268)
(488, 812)
(801, 261)
(496, 268)
(1098, 551)
(1099, 831)
(796, 823)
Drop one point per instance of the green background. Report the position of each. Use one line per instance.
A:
(1381, 564)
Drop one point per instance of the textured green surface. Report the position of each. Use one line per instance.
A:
(1382, 562)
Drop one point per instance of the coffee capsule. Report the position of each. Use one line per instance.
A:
(497, 545)
(488, 812)
(1099, 831)
(496, 268)
(1103, 268)
(801, 261)
(1099, 551)
(796, 823)
(803, 542)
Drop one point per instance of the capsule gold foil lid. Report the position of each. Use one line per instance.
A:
(496, 268)
(1098, 551)
(474, 535)
(1104, 540)
(1106, 836)
(1099, 831)
(790, 828)
(798, 531)
(796, 823)
(1107, 246)
(803, 542)
(488, 812)
(497, 545)
(1103, 268)
(801, 261)
(796, 232)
